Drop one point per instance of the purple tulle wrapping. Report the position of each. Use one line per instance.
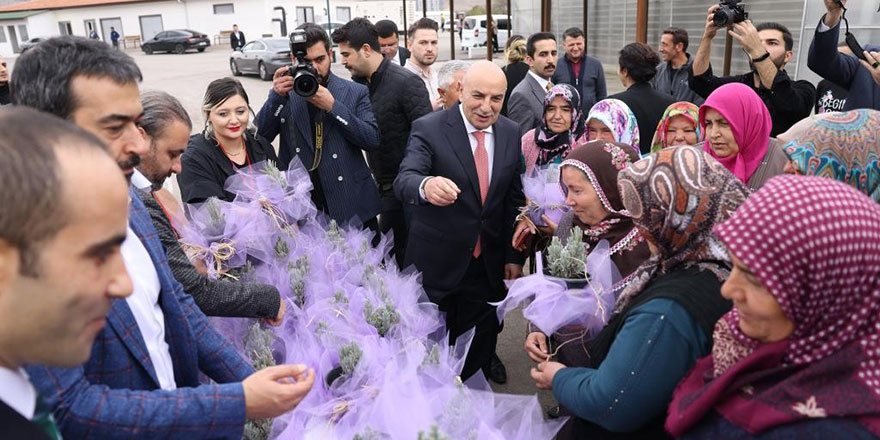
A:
(344, 295)
(544, 193)
(551, 305)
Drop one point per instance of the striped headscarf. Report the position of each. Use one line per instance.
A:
(684, 109)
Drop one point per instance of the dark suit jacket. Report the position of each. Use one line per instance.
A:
(648, 105)
(15, 426)
(235, 42)
(349, 130)
(843, 70)
(442, 239)
(514, 73)
(116, 393)
(403, 54)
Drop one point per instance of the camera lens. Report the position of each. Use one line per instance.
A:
(723, 16)
(305, 84)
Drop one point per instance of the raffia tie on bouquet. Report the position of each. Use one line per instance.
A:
(219, 253)
(530, 204)
(277, 216)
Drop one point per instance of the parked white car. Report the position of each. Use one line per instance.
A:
(474, 32)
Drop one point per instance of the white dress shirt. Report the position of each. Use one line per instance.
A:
(144, 304)
(488, 143)
(431, 81)
(140, 181)
(17, 392)
(541, 81)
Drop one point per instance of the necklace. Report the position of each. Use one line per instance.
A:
(226, 152)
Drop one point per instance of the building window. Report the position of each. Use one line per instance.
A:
(22, 33)
(224, 9)
(65, 28)
(343, 14)
(2, 35)
(305, 14)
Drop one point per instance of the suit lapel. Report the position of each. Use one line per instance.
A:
(122, 321)
(537, 90)
(458, 138)
(299, 113)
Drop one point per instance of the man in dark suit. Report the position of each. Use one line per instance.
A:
(236, 38)
(461, 173)
(54, 296)
(329, 133)
(157, 340)
(638, 65)
(526, 106)
(389, 41)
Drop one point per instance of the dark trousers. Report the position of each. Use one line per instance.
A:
(466, 308)
(393, 219)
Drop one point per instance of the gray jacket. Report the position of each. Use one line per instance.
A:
(675, 82)
(526, 106)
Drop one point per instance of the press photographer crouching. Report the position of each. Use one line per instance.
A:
(769, 48)
(326, 122)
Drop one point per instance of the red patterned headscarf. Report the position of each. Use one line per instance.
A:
(814, 243)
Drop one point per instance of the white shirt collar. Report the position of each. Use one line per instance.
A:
(470, 127)
(541, 81)
(140, 181)
(17, 391)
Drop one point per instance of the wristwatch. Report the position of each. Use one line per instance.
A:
(761, 58)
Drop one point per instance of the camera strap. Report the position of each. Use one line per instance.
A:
(319, 145)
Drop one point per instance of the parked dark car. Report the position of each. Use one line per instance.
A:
(262, 56)
(177, 41)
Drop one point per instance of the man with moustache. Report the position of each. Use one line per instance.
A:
(157, 341)
(672, 75)
(769, 48)
(398, 98)
(60, 260)
(165, 125)
(389, 42)
(421, 38)
(461, 173)
(526, 106)
(328, 133)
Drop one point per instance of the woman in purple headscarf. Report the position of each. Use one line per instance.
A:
(798, 355)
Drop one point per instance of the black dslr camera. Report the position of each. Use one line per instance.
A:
(305, 77)
(730, 12)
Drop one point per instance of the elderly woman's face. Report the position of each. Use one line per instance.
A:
(760, 316)
(719, 134)
(558, 115)
(680, 131)
(582, 197)
(599, 131)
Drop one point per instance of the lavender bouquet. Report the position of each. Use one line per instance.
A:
(544, 194)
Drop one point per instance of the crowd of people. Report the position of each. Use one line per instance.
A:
(745, 231)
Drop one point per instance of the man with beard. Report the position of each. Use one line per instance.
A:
(672, 75)
(165, 125)
(328, 133)
(769, 48)
(389, 42)
(4, 82)
(421, 39)
(156, 341)
(526, 106)
(398, 98)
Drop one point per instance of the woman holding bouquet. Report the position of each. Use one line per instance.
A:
(227, 143)
(663, 319)
(561, 129)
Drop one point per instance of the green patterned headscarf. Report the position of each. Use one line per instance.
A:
(841, 146)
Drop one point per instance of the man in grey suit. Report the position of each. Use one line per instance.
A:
(526, 106)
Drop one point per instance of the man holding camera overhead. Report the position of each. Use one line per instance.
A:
(769, 48)
(327, 123)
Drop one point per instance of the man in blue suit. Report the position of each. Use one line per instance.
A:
(141, 380)
(461, 172)
(328, 132)
(844, 70)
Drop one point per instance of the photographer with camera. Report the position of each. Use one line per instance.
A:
(327, 123)
(859, 73)
(769, 48)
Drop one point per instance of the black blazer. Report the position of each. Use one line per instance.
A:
(235, 42)
(442, 239)
(402, 54)
(514, 72)
(648, 105)
(15, 426)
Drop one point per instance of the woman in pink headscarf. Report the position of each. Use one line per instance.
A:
(737, 127)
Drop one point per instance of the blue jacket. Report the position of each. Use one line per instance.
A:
(349, 130)
(843, 70)
(590, 83)
(116, 393)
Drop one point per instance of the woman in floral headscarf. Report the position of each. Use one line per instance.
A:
(680, 125)
(840, 146)
(798, 355)
(561, 129)
(663, 319)
(611, 120)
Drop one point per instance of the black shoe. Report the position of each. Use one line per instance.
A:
(553, 412)
(496, 371)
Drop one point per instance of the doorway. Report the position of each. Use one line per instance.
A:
(150, 26)
(13, 39)
(89, 25)
(106, 24)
